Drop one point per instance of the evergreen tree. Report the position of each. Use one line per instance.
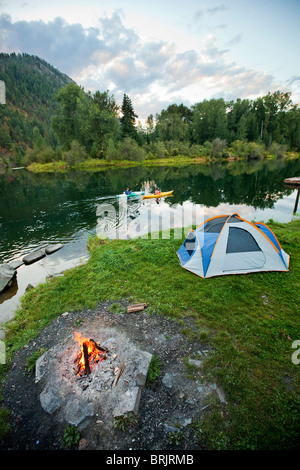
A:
(128, 128)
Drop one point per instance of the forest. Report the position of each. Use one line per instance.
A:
(48, 117)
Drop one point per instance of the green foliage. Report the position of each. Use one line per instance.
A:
(175, 437)
(117, 308)
(125, 422)
(30, 361)
(4, 422)
(76, 154)
(71, 436)
(128, 128)
(31, 85)
(127, 149)
(154, 370)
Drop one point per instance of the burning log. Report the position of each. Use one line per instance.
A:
(100, 348)
(87, 369)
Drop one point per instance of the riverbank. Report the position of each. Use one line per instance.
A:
(248, 323)
(96, 164)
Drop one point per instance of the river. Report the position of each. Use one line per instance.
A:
(68, 207)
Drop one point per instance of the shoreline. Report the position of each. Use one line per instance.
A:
(99, 164)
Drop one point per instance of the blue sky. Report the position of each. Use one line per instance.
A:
(162, 52)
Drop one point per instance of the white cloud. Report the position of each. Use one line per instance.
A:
(112, 56)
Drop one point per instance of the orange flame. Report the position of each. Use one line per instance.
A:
(93, 353)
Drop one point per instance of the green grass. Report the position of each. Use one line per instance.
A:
(249, 321)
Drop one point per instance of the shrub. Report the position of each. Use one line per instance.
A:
(130, 150)
(76, 154)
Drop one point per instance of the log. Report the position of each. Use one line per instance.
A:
(86, 359)
(136, 308)
(100, 348)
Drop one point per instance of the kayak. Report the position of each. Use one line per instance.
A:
(156, 196)
(132, 194)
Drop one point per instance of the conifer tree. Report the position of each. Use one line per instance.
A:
(128, 119)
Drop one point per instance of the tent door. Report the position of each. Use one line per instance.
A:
(244, 261)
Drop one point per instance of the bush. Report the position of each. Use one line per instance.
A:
(277, 149)
(76, 154)
(130, 150)
(112, 152)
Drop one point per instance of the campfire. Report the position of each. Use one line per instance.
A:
(90, 353)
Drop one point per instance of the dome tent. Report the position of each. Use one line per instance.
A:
(228, 244)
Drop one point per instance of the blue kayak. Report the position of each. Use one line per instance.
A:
(132, 194)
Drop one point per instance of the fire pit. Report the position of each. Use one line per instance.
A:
(92, 373)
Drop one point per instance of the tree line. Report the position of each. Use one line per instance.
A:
(48, 117)
(94, 126)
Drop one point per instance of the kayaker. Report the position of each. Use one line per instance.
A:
(127, 191)
(157, 192)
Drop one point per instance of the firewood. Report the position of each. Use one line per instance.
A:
(86, 359)
(100, 348)
(136, 308)
(119, 373)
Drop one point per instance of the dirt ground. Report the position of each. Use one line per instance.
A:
(167, 409)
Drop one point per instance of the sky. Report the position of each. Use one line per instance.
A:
(161, 52)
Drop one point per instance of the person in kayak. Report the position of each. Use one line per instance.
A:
(127, 191)
(157, 192)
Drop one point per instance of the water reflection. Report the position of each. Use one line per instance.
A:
(38, 209)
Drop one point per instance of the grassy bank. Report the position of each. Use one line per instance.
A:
(250, 322)
(96, 164)
(99, 164)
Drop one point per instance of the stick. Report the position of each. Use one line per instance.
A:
(100, 348)
(120, 372)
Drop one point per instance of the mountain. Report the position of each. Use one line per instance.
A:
(31, 85)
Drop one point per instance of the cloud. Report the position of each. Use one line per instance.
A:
(211, 11)
(65, 46)
(237, 39)
(112, 57)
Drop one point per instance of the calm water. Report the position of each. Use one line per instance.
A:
(39, 209)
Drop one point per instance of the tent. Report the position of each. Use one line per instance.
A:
(228, 244)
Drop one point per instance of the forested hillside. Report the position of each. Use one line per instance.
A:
(31, 86)
(47, 117)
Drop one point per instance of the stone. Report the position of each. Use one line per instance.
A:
(129, 402)
(6, 275)
(41, 366)
(76, 411)
(195, 362)
(167, 380)
(49, 401)
(16, 263)
(52, 248)
(33, 257)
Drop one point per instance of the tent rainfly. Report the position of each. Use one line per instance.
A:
(228, 244)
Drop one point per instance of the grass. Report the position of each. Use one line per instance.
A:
(249, 321)
(97, 164)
